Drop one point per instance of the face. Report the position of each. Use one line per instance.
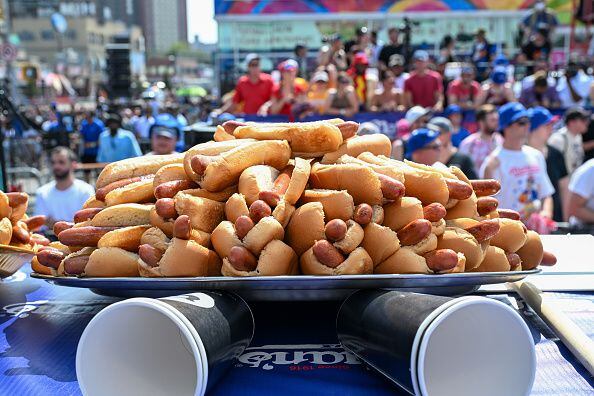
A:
(394, 35)
(429, 154)
(445, 137)
(540, 89)
(388, 81)
(397, 70)
(519, 130)
(579, 124)
(543, 132)
(456, 118)
(360, 68)
(162, 144)
(61, 166)
(420, 64)
(491, 122)
(467, 77)
(254, 67)
(113, 125)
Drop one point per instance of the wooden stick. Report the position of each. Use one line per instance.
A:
(572, 336)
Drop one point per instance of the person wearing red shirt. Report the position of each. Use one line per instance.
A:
(464, 90)
(423, 87)
(252, 90)
(358, 72)
(288, 92)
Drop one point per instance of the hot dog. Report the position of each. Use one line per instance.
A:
(86, 214)
(486, 205)
(392, 189)
(279, 187)
(34, 223)
(363, 214)
(414, 232)
(60, 226)
(102, 192)
(508, 214)
(434, 212)
(458, 189)
(258, 210)
(335, 230)
(243, 225)
(548, 259)
(50, 257)
(20, 235)
(242, 259)
(327, 254)
(441, 260)
(75, 265)
(83, 236)
(150, 254)
(182, 227)
(485, 187)
(485, 230)
(170, 188)
(165, 208)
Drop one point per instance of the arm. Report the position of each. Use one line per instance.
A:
(482, 96)
(100, 153)
(489, 168)
(509, 93)
(438, 95)
(136, 152)
(574, 95)
(353, 102)
(564, 196)
(547, 207)
(576, 206)
(588, 145)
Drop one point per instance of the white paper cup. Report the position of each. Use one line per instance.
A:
(160, 347)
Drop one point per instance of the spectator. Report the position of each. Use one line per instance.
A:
(342, 100)
(521, 169)
(539, 18)
(497, 91)
(287, 93)
(537, 47)
(480, 144)
(464, 91)
(252, 90)
(423, 146)
(588, 139)
(455, 115)
(388, 98)
(163, 139)
(116, 143)
(368, 128)
(318, 92)
(301, 59)
(364, 86)
(61, 198)
(333, 53)
(481, 54)
(447, 49)
(90, 129)
(568, 139)
(541, 66)
(143, 123)
(423, 87)
(573, 88)
(541, 127)
(450, 155)
(417, 117)
(540, 93)
(393, 47)
(179, 121)
(580, 205)
(396, 64)
(375, 46)
(402, 133)
(361, 43)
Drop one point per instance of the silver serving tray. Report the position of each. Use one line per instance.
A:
(291, 288)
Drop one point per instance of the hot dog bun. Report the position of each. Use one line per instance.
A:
(531, 252)
(494, 261)
(133, 167)
(127, 238)
(299, 179)
(376, 144)
(336, 204)
(93, 202)
(511, 236)
(306, 227)
(166, 226)
(359, 181)
(210, 148)
(219, 196)
(462, 241)
(380, 242)
(283, 212)
(5, 209)
(387, 170)
(400, 213)
(5, 231)
(204, 213)
(235, 207)
(464, 208)
(403, 261)
(123, 215)
(137, 192)
(358, 262)
(168, 173)
(275, 259)
(112, 262)
(255, 179)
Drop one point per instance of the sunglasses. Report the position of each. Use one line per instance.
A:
(522, 122)
(433, 147)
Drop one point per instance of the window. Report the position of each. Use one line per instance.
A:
(48, 35)
(26, 35)
(70, 34)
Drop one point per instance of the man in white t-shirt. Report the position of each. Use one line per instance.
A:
(60, 199)
(568, 139)
(581, 195)
(522, 171)
(573, 88)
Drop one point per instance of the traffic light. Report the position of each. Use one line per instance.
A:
(118, 69)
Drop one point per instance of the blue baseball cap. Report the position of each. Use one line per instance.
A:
(420, 138)
(452, 109)
(540, 116)
(499, 75)
(510, 113)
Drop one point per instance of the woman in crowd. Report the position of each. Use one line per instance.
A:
(342, 100)
(497, 90)
(387, 98)
(287, 93)
(318, 92)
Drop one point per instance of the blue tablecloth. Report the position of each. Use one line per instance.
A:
(294, 351)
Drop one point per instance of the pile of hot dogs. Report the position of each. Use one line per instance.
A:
(287, 199)
(16, 228)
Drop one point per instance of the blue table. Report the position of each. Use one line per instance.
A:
(294, 351)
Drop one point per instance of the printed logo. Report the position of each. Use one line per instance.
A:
(298, 357)
(197, 299)
(45, 307)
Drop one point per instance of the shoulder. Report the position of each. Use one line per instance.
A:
(242, 80)
(83, 186)
(104, 134)
(532, 152)
(45, 189)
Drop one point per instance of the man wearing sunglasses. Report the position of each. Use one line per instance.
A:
(423, 146)
(252, 90)
(521, 169)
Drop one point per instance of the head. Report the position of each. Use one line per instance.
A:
(387, 80)
(363, 37)
(320, 81)
(539, 37)
(540, 83)
(499, 76)
(487, 119)
(288, 70)
(360, 62)
(343, 81)
(252, 62)
(448, 42)
(481, 35)
(113, 122)
(541, 125)
(444, 127)
(541, 65)
(417, 117)
(576, 120)
(423, 146)
(573, 68)
(300, 50)
(421, 59)
(396, 64)
(373, 37)
(90, 116)
(467, 74)
(148, 111)
(393, 35)
(63, 162)
(515, 124)
(454, 114)
(163, 140)
(540, 6)
(335, 42)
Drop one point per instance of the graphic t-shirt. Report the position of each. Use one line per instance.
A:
(478, 148)
(582, 184)
(570, 146)
(523, 177)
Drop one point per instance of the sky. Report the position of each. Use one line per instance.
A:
(201, 20)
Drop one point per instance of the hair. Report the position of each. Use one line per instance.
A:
(65, 151)
(393, 29)
(540, 80)
(483, 111)
(298, 47)
(385, 74)
(447, 40)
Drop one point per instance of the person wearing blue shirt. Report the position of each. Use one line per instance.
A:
(90, 129)
(459, 133)
(116, 143)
